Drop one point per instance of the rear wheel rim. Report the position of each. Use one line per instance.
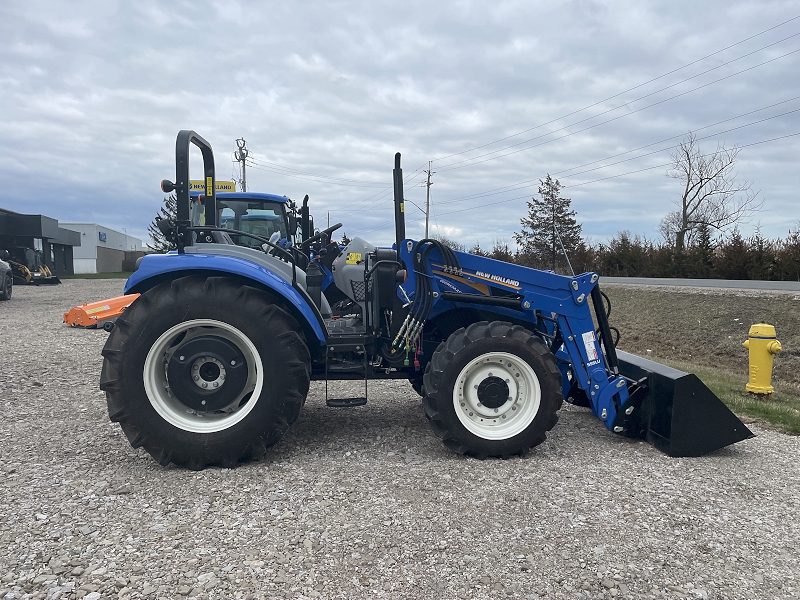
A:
(483, 415)
(170, 408)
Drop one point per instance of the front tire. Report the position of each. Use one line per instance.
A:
(492, 389)
(205, 371)
(7, 287)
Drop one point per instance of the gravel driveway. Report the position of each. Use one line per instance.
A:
(364, 502)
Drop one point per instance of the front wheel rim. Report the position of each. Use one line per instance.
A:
(475, 399)
(170, 408)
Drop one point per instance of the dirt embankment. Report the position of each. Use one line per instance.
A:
(706, 326)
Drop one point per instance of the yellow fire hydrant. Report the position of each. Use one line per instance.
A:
(762, 346)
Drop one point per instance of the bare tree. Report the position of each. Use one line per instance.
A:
(711, 195)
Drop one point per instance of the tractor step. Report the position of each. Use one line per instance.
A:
(348, 367)
(345, 402)
(346, 344)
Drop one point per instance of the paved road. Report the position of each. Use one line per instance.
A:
(781, 286)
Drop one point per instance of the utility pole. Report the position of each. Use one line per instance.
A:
(241, 155)
(428, 198)
(554, 237)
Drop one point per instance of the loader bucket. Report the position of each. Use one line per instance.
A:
(51, 280)
(676, 412)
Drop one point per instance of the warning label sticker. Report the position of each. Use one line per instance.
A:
(588, 343)
(91, 311)
(353, 258)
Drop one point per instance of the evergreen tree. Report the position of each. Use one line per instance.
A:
(548, 218)
(345, 240)
(701, 254)
(734, 257)
(788, 259)
(501, 251)
(762, 257)
(477, 250)
(625, 255)
(159, 243)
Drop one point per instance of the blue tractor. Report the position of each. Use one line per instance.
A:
(212, 363)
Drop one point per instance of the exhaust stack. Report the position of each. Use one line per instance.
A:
(399, 203)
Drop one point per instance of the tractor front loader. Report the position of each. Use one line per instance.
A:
(29, 268)
(212, 362)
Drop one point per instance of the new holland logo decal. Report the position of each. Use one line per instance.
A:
(498, 279)
(470, 279)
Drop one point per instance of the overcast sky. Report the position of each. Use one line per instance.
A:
(93, 94)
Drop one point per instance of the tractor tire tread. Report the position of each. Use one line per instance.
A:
(284, 332)
(438, 403)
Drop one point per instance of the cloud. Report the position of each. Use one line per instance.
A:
(94, 94)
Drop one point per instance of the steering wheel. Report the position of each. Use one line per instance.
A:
(324, 233)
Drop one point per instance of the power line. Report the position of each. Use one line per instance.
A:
(314, 178)
(381, 198)
(529, 182)
(267, 164)
(389, 224)
(476, 162)
(610, 177)
(698, 139)
(623, 92)
(381, 194)
(694, 130)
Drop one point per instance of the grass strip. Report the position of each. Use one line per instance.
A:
(781, 412)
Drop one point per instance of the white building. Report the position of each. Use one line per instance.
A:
(102, 250)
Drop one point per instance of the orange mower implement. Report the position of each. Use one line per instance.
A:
(91, 315)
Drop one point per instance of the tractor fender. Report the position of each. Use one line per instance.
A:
(157, 268)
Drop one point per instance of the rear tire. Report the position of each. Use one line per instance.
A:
(493, 389)
(205, 371)
(7, 288)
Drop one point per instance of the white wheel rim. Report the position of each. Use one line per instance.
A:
(172, 410)
(518, 411)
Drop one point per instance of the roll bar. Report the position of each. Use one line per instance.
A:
(181, 185)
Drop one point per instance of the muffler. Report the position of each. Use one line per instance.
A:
(674, 411)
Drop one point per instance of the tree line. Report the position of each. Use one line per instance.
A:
(732, 256)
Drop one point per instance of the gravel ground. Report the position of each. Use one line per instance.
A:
(364, 502)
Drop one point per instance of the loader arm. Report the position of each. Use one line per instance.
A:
(633, 397)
